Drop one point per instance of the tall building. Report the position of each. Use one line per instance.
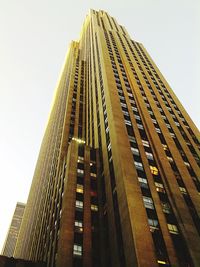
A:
(11, 239)
(117, 178)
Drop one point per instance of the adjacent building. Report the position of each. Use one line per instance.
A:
(117, 181)
(11, 239)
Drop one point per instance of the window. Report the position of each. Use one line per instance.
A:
(143, 182)
(135, 151)
(138, 165)
(165, 147)
(177, 123)
(140, 126)
(132, 139)
(145, 143)
(172, 135)
(153, 223)
(80, 172)
(109, 146)
(170, 159)
(77, 251)
(166, 207)
(157, 130)
(79, 188)
(94, 207)
(149, 155)
(168, 125)
(134, 109)
(78, 226)
(137, 117)
(127, 122)
(187, 164)
(78, 223)
(79, 204)
(172, 228)
(148, 202)
(159, 187)
(80, 159)
(183, 190)
(154, 170)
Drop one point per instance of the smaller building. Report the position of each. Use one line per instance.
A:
(11, 262)
(11, 239)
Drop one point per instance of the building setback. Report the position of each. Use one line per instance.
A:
(11, 239)
(117, 177)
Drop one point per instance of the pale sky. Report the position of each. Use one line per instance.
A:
(34, 37)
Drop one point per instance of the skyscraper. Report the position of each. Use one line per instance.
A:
(117, 178)
(11, 239)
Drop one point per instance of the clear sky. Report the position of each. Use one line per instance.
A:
(34, 37)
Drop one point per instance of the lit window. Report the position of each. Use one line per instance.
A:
(130, 94)
(153, 223)
(165, 146)
(77, 251)
(149, 155)
(94, 207)
(170, 159)
(145, 143)
(172, 135)
(164, 117)
(162, 262)
(137, 117)
(148, 202)
(154, 170)
(132, 139)
(140, 126)
(166, 207)
(134, 109)
(107, 129)
(138, 165)
(78, 226)
(169, 108)
(80, 141)
(125, 112)
(78, 223)
(93, 174)
(79, 204)
(159, 187)
(183, 190)
(79, 188)
(80, 159)
(135, 151)
(143, 182)
(109, 146)
(79, 171)
(157, 130)
(127, 122)
(123, 105)
(187, 164)
(172, 228)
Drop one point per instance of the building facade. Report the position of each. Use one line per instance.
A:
(13, 232)
(117, 182)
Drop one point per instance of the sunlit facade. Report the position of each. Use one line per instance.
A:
(117, 178)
